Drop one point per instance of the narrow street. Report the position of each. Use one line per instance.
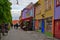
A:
(25, 35)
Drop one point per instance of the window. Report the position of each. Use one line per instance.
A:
(40, 22)
(49, 24)
(57, 3)
(27, 15)
(47, 5)
(38, 10)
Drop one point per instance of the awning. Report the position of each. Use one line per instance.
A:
(27, 19)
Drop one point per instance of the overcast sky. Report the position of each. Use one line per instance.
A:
(16, 9)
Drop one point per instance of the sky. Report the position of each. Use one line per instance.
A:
(16, 9)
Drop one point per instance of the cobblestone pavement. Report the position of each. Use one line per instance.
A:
(25, 35)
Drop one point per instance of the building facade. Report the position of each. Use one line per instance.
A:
(57, 19)
(49, 17)
(45, 16)
(27, 16)
(37, 15)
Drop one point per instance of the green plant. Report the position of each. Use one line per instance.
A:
(5, 14)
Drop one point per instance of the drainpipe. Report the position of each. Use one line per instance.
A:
(33, 18)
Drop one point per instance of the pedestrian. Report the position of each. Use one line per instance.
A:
(0, 28)
(3, 29)
(11, 25)
(6, 27)
(0, 31)
(16, 25)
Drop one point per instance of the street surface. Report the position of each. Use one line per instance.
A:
(25, 35)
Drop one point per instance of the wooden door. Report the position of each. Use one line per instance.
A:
(57, 29)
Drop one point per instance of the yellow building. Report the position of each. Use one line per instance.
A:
(37, 13)
(46, 16)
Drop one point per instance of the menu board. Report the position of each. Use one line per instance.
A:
(57, 3)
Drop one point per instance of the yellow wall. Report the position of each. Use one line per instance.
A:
(37, 12)
(50, 12)
(47, 13)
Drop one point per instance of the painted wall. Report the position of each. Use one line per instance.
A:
(36, 25)
(57, 11)
(37, 12)
(49, 12)
(28, 11)
(24, 13)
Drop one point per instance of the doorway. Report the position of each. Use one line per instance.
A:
(43, 26)
(57, 29)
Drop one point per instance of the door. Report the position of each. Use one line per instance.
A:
(43, 26)
(39, 24)
(57, 29)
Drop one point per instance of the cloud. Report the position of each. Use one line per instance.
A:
(16, 9)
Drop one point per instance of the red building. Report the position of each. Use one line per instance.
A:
(15, 21)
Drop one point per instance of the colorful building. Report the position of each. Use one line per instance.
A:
(27, 16)
(45, 16)
(57, 18)
(37, 8)
(15, 21)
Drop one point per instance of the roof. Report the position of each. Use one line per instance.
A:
(15, 21)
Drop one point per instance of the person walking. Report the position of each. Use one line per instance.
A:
(3, 29)
(6, 28)
(0, 31)
(16, 25)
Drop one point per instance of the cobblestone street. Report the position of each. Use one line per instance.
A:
(25, 35)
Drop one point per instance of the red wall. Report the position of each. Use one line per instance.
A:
(36, 25)
(15, 21)
(57, 28)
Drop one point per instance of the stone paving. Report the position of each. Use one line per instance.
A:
(25, 35)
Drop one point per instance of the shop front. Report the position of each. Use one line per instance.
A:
(40, 25)
(48, 28)
(57, 28)
(36, 25)
(28, 24)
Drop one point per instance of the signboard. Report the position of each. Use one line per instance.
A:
(57, 3)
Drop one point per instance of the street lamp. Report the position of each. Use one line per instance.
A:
(17, 2)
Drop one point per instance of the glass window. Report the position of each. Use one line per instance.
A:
(48, 5)
(40, 24)
(57, 3)
(49, 24)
